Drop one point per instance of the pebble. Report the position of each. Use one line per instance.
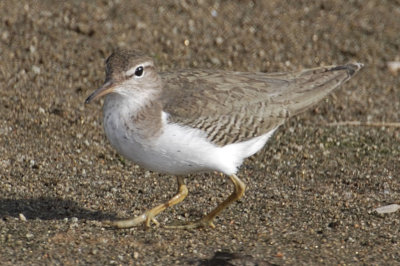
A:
(36, 69)
(5, 35)
(215, 61)
(22, 217)
(394, 67)
(219, 40)
(387, 209)
(32, 49)
(86, 142)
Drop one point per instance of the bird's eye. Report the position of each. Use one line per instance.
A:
(139, 71)
(134, 72)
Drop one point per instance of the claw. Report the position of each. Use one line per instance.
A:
(155, 222)
(202, 223)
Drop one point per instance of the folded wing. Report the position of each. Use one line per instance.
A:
(236, 106)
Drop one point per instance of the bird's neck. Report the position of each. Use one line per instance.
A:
(144, 112)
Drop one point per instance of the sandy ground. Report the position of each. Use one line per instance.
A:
(311, 191)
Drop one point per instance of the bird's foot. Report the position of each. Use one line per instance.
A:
(202, 223)
(145, 218)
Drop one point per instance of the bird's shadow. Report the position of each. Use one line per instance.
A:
(48, 208)
(230, 259)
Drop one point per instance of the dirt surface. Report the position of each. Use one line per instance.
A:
(311, 191)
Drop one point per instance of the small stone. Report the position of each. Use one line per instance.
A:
(36, 69)
(32, 49)
(22, 217)
(387, 209)
(94, 251)
(215, 61)
(5, 35)
(20, 158)
(141, 25)
(86, 142)
(219, 40)
(394, 67)
(85, 29)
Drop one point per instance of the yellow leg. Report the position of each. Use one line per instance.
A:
(150, 215)
(208, 219)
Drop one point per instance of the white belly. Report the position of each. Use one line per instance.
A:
(179, 149)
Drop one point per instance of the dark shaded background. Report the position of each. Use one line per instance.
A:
(310, 193)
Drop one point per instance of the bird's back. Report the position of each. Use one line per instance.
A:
(236, 106)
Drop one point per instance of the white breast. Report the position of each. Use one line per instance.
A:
(179, 149)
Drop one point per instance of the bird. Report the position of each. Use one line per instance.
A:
(200, 120)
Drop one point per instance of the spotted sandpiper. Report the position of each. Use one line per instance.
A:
(201, 120)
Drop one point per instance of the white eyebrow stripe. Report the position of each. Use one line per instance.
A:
(132, 70)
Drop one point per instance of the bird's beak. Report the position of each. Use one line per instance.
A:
(107, 88)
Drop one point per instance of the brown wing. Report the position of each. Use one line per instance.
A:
(236, 106)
